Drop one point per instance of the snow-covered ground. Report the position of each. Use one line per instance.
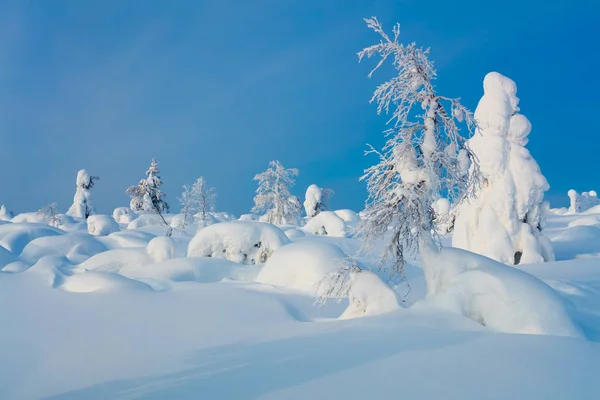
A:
(105, 317)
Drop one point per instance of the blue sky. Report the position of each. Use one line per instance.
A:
(220, 88)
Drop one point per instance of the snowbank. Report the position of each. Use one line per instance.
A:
(502, 298)
(15, 236)
(102, 225)
(238, 241)
(75, 247)
(326, 223)
(347, 215)
(302, 265)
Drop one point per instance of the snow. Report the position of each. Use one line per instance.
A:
(326, 223)
(302, 265)
(243, 242)
(123, 215)
(161, 248)
(76, 247)
(313, 199)
(369, 295)
(83, 205)
(504, 220)
(102, 225)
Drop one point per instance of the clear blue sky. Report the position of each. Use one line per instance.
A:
(220, 88)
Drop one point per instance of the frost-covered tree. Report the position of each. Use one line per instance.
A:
(316, 200)
(83, 206)
(273, 194)
(424, 154)
(50, 214)
(147, 196)
(198, 198)
(505, 219)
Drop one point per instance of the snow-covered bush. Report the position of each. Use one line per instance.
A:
(495, 295)
(102, 225)
(198, 198)
(326, 223)
(582, 202)
(316, 200)
(238, 241)
(161, 248)
(505, 219)
(146, 219)
(124, 215)
(369, 295)
(5, 214)
(424, 155)
(49, 214)
(273, 197)
(83, 206)
(302, 266)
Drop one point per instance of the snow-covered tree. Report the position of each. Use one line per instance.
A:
(316, 200)
(147, 196)
(583, 201)
(273, 194)
(505, 219)
(83, 206)
(424, 154)
(198, 198)
(50, 214)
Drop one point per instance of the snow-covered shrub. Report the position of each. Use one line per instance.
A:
(505, 219)
(49, 214)
(5, 214)
(369, 295)
(161, 248)
(582, 202)
(495, 295)
(101, 225)
(83, 206)
(302, 265)
(198, 198)
(273, 198)
(316, 200)
(238, 241)
(146, 219)
(326, 223)
(124, 215)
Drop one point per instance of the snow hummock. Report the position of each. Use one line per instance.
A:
(369, 295)
(504, 220)
(124, 215)
(161, 248)
(102, 225)
(302, 265)
(495, 295)
(243, 242)
(326, 223)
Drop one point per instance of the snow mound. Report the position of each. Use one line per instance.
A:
(128, 238)
(593, 210)
(347, 215)
(588, 220)
(146, 219)
(369, 295)
(161, 248)
(576, 241)
(124, 215)
(326, 223)
(294, 233)
(101, 225)
(302, 265)
(31, 217)
(194, 269)
(238, 241)
(15, 236)
(115, 260)
(75, 247)
(88, 282)
(500, 297)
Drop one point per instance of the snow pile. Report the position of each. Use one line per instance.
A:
(102, 225)
(369, 295)
(83, 206)
(326, 223)
(161, 248)
(347, 215)
(114, 260)
(302, 265)
(588, 220)
(582, 202)
(76, 248)
(505, 219)
(14, 237)
(293, 233)
(495, 295)
(238, 241)
(146, 219)
(124, 215)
